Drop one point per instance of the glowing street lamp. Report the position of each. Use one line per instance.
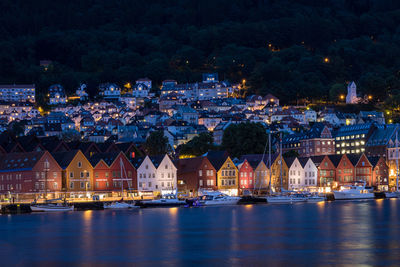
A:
(326, 60)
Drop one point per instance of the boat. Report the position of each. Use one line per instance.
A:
(120, 205)
(394, 194)
(216, 198)
(52, 207)
(166, 200)
(354, 191)
(313, 198)
(286, 198)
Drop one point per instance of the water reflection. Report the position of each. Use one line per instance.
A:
(340, 233)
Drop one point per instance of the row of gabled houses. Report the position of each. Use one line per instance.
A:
(74, 174)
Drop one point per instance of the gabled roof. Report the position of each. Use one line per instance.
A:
(289, 160)
(20, 161)
(64, 158)
(217, 158)
(335, 159)
(189, 165)
(108, 158)
(374, 160)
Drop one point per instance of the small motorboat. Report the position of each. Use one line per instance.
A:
(120, 205)
(286, 198)
(314, 198)
(394, 194)
(217, 198)
(167, 200)
(52, 207)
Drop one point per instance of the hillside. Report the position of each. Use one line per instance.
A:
(292, 48)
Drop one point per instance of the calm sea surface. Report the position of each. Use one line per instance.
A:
(346, 233)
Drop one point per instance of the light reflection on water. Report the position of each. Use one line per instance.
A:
(359, 232)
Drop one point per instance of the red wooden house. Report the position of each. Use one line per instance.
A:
(194, 174)
(380, 173)
(109, 169)
(363, 170)
(327, 170)
(246, 176)
(345, 170)
(29, 175)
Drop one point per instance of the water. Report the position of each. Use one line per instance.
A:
(358, 232)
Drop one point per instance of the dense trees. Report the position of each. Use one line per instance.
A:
(156, 144)
(294, 49)
(245, 138)
(198, 145)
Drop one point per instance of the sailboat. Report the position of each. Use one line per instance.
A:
(121, 204)
(282, 197)
(395, 194)
(50, 205)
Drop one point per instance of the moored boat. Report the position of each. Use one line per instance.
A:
(167, 200)
(355, 191)
(52, 207)
(217, 198)
(120, 205)
(394, 194)
(286, 198)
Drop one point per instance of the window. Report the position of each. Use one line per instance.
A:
(71, 175)
(87, 174)
(82, 175)
(201, 182)
(107, 174)
(107, 184)
(71, 185)
(82, 185)
(96, 174)
(166, 166)
(200, 173)
(55, 185)
(79, 164)
(96, 185)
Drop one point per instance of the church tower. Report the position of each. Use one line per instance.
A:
(351, 97)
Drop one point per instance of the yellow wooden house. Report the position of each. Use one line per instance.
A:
(77, 173)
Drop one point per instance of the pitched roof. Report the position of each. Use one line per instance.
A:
(108, 158)
(189, 165)
(64, 158)
(335, 159)
(20, 161)
(217, 158)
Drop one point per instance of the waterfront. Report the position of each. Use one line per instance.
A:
(357, 232)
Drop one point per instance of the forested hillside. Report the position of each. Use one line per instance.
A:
(291, 48)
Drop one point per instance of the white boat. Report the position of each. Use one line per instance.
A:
(315, 198)
(288, 198)
(394, 194)
(52, 207)
(167, 200)
(120, 205)
(355, 191)
(217, 198)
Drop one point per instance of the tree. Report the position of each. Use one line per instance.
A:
(198, 145)
(337, 92)
(290, 153)
(71, 135)
(245, 138)
(156, 144)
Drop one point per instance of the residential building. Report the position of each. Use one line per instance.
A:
(246, 177)
(352, 139)
(17, 93)
(57, 95)
(196, 174)
(29, 175)
(77, 173)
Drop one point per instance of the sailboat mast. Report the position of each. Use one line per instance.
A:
(262, 178)
(397, 163)
(280, 152)
(122, 181)
(269, 161)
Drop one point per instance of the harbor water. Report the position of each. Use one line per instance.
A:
(327, 233)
